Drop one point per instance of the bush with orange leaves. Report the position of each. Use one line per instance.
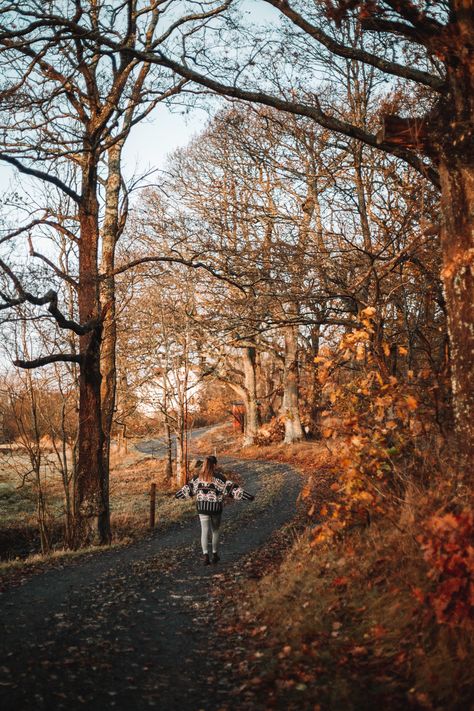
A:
(378, 424)
(383, 435)
(448, 547)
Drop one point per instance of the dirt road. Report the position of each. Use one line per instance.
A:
(134, 628)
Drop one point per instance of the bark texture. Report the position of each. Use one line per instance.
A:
(290, 404)
(251, 402)
(92, 523)
(108, 305)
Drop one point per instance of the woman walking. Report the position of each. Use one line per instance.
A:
(209, 487)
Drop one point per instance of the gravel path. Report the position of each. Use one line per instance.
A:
(131, 628)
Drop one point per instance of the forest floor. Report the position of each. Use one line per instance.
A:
(143, 626)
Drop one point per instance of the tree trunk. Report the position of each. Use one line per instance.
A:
(362, 199)
(456, 168)
(107, 296)
(66, 480)
(251, 402)
(290, 405)
(180, 457)
(92, 522)
(457, 239)
(169, 450)
(91, 510)
(314, 394)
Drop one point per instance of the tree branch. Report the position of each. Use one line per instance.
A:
(410, 12)
(46, 360)
(51, 264)
(50, 298)
(20, 230)
(41, 175)
(294, 107)
(192, 17)
(377, 24)
(175, 260)
(361, 55)
(297, 108)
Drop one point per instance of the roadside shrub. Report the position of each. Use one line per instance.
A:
(381, 424)
(448, 548)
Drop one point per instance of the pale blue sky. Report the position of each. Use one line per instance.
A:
(147, 147)
(151, 141)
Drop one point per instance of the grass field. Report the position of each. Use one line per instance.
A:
(131, 476)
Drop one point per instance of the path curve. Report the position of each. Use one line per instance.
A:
(130, 628)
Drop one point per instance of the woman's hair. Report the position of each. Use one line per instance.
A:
(208, 468)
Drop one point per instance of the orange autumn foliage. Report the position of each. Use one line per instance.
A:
(448, 548)
(374, 423)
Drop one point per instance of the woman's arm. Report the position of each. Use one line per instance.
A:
(186, 491)
(236, 491)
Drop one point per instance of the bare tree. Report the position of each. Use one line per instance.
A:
(315, 238)
(68, 100)
(437, 141)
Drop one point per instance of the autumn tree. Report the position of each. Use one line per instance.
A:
(67, 108)
(313, 237)
(423, 51)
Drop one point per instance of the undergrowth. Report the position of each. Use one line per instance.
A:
(379, 612)
(341, 622)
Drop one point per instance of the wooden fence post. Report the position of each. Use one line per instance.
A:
(152, 505)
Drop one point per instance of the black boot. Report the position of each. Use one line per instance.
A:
(205, 559)
(215, 558)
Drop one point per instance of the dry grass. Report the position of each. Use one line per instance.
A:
(17, 494)
(346, 611)
(131, 475)
(18, 570)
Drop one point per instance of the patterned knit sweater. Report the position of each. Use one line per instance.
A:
(210, 494)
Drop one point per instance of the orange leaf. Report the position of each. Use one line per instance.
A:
(358, 651)
(360, 351)
(379, 631)
(341, 581)
(411, 402)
